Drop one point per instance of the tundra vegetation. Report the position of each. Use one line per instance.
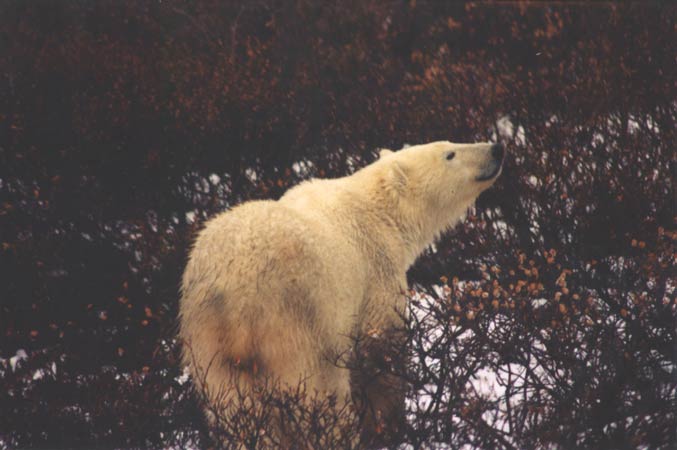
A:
(547, 319)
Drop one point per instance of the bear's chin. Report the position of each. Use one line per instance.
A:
(491, 174)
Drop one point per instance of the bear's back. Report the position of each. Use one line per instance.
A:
(263, 266)
(240, 252)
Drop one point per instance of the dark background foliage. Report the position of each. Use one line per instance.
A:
(124, 125)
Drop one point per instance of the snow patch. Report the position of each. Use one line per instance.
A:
(539, 302)
(20, 355)
(214, 179)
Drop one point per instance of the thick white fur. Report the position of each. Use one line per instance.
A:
(278, 287)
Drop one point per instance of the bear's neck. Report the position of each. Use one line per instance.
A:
(403, 227)
(420, 226)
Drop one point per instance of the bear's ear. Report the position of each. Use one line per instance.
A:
(384, 152)
(397, 174)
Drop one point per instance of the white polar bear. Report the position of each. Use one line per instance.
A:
(273, 287)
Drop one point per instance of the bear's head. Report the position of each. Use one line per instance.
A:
(428, 188)
(443, 174)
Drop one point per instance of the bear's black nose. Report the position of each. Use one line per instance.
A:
(497, 152)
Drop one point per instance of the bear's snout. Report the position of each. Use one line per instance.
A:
(497, 152)
(493, 166)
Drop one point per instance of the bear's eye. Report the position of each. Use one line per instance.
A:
(450, 156)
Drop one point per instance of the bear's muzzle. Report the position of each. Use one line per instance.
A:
(493, 167)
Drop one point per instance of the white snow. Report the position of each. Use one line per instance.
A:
(251, 175)
(184, 377)
(506, 130)
(214, 179)
(20, 355)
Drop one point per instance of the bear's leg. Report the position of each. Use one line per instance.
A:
(296, 361)
(378, 390)
(383, 411)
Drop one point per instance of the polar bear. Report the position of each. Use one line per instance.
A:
(273, 287)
